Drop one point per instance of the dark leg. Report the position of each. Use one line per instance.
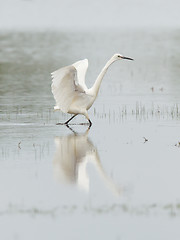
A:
(66, 123)
(90, 123)
(70, 119)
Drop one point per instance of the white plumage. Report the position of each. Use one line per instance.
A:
(66, 80)
(81, 68)
(70, 91)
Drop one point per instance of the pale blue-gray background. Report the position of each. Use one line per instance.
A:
(73, 15)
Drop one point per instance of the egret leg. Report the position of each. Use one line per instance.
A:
(90, 123)
(66, 123)
(86, 115)
(70, 119)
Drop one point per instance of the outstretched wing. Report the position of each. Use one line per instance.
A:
(81, 67)
(65, 87)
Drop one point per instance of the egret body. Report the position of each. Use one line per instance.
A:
(70, 91)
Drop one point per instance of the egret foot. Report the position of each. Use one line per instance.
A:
(66, 123)
(83, 124)
(87, 123)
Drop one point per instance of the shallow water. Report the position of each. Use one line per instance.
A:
(120, 179)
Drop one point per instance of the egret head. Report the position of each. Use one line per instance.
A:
(118, 56)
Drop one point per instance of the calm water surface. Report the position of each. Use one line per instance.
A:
(118, 180)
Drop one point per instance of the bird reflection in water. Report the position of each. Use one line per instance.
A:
(73, 153)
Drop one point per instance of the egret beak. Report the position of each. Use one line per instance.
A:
(127, 58)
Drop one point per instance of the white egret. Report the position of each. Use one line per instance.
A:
(70, 91)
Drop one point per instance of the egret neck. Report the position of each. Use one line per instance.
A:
(96, 86)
